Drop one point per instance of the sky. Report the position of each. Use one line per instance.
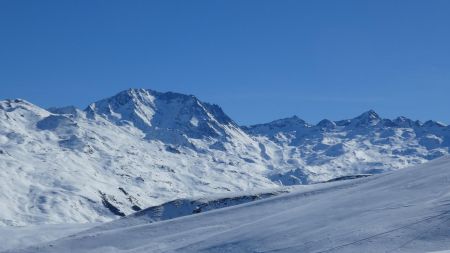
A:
(259, 60)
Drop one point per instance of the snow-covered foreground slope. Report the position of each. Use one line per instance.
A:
(142, 148)
(184, 207)
(402, 211)
(21, 237)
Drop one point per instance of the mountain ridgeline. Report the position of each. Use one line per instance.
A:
(142, 148)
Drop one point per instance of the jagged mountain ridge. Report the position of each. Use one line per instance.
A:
(367, 143)
(142, 148)
(161, 114)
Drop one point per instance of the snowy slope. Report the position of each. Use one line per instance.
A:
(184, 207)
(12, 237)
(402, 211)
(142, 148)
(22, 237)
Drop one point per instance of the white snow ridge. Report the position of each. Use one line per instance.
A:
(166, 162)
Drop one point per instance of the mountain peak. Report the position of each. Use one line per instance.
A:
(136, 97)
(289, 124)
(293, 121)
(405, 122)
(433, 123)
(367, 118)
(326, 123)
(370, 114)
(166, 115)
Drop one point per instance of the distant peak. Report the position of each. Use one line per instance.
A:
(163, 115)
(369, 118)
(138, 94)
(284, 124)
(405, 122)
(326, 123)
(370, 114)
(294, 120)
(402, 119)
(433, 123)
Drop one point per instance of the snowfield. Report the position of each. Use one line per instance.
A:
(142, 148)
(402, 211)
(21, 237)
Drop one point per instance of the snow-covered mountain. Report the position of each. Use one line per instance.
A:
(142, 148)
(172, 118)
(365, 144)
(401, 211)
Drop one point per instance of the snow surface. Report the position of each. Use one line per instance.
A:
(184, 207)
(142, 148)
(22, 237)
(402, 211)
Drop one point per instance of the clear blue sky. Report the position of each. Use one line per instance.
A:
(259, 60)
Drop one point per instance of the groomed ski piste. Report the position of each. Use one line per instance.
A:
(401, 211)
